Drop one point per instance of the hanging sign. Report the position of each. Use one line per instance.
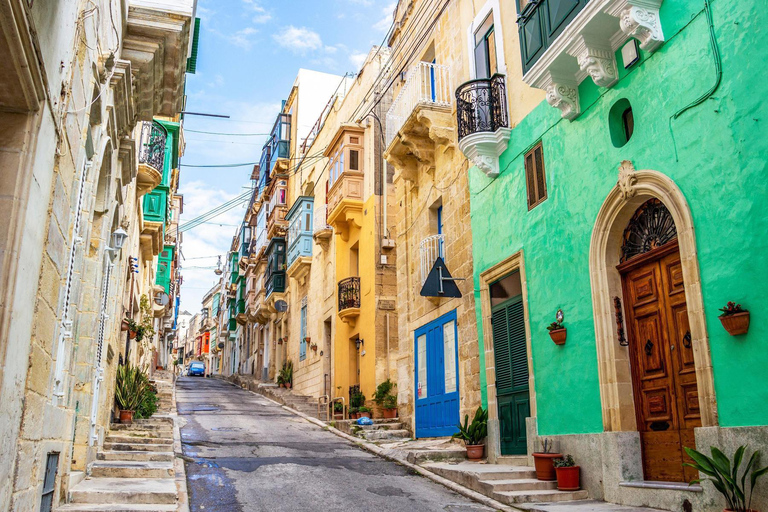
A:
(439, 282)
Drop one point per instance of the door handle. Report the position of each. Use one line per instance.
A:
(648, 347)
(687, 339)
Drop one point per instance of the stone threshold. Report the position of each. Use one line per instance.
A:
(669, 486)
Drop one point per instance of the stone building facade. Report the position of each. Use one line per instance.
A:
(73, 90)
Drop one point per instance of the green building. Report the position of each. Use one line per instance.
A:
(636, 207)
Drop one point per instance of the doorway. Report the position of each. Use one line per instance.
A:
(511, 360)
(660, 343)
(436, 377)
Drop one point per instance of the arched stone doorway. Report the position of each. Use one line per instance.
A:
(618, 365)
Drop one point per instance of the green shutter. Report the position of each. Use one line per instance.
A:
(509, 348)
(192, 59)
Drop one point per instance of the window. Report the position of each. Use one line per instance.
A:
(485, 50)
(440, 220)
(354, 157)
(421, 350)
(49, 482)
(449, 355)
(621, 122)
(303, 340)
(534, 176)
(628, 122)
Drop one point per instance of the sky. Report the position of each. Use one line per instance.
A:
(249, 54)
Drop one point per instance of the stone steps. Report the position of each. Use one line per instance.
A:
(113, 507)
(138, 447)
(131, 469)
(138, 439)
(125, 490)
(379, 435)
(504, 483)
(122, 427)
(131, 456)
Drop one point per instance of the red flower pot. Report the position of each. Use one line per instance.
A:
(558, 336)
(475, 451)
(737, 323)
(364, 415)
(545, 470)
(338, 415)
(132, 334)
(389, 413)
(126, 416)
(568, 478)
(124, 325)
(288, 385)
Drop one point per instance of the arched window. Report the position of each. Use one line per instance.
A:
(650, 227)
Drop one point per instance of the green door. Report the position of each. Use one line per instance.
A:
(511, 374)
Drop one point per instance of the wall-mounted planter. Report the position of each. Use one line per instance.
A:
(558, 336)
(737, 323)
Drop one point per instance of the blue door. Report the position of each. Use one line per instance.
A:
(437, 384)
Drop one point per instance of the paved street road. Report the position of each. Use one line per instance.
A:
(248, 454)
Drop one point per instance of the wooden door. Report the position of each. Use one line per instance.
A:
(511, 357)
(661, 355)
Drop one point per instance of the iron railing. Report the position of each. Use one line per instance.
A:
(426, 84)
(481, 106)
(349, 293)
(152, 150)
(430, 249)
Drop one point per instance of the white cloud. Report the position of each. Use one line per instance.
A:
(261, 14)
(385, 22)
(357, 59)
(242, 38)
(298, 40)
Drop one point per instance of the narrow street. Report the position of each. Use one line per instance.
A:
(246, 453)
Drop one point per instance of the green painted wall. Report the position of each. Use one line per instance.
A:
(722, 148)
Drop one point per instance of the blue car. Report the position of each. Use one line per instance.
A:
(196, 368)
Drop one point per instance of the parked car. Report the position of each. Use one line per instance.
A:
(196, 368)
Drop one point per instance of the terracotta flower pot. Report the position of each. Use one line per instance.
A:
(736, 324)
(354, 415)
(124, 325)
(475, 451)
(389, 413)
(545, 470)
(288, 385)
(338, 415)
(568, 478)
(126, 416)
(364, 415)
(558, 336)
(132, 334)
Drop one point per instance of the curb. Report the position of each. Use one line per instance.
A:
(377, 450)
(182, 505)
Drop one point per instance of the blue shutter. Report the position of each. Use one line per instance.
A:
(303, 342)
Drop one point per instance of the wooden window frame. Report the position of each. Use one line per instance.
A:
(533, 175)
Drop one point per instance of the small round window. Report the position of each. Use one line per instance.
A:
(621, 122)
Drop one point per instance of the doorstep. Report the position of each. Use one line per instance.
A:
(583, 506)
(424, 450)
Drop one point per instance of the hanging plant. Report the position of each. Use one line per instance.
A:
(735, 319)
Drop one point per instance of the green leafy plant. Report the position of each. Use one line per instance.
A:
(364, 409)
(732, 308)
(390, 402)
(357, 399)
(473, 433)
(353, 410)
(148, 405)
(338, 407)
(726, 479)
(554, 326)
(384, 390)
(130, 385)
(286, 373)
(565, 462)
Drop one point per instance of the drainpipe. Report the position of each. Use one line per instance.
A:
(98, 376)
(387, 336)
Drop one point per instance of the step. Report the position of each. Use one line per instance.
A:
(375, 435)
(511, 497)
(138, 447)
(512, 460)
(517, 484)
(115, 507)
(112, 438)
(125, 490)
(380, 426)
(146, 456)
(123, 427)
(131, 469)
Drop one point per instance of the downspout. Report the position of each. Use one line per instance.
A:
(98, 376)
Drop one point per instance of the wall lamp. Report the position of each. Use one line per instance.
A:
(119, 236)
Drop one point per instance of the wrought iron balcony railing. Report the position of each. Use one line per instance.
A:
(426, 84)
(481, 106)
(349, 293)
(430, 249)
(152, 150)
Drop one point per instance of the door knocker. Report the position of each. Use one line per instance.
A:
(687, 339)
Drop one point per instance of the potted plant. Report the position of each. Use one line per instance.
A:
(556, 329)
(567, 474)
(356, 401)
(386, 401)
(130, 385)
(474, 433)
(364, 412)
(313, 346)
(726, 479)
(735, 319)
(338, 410)
(353, 414)
(125, 324)
(286, 374)
(545, 469)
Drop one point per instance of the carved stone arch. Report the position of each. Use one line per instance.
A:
(634, 188)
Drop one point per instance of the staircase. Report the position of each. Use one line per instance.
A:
(509, 484)
(382, 431)
(133, 472)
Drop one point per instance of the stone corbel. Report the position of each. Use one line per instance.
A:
(596, 59)
(642, 23)
(563, 94)
(484, 149)
(627, 179)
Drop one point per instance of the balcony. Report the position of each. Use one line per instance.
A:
(321, 230)
(580, 40)
(151, 156)
(483, 123)
(276, 223)
(430, 249)
(300, 238)
(274, 277)
(276, 151)
(419, 120)
(258, 246)
(240, 315)
(349, 300)
(157, 40)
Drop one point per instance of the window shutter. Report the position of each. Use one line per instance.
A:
(535, 176)
(529, 180)
(501, 349)
(518, 357)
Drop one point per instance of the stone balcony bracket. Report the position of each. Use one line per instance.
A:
(484, 149)
(151, 239)
(299, 269)
(147, 179)
(349, 316)
(587, 48)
